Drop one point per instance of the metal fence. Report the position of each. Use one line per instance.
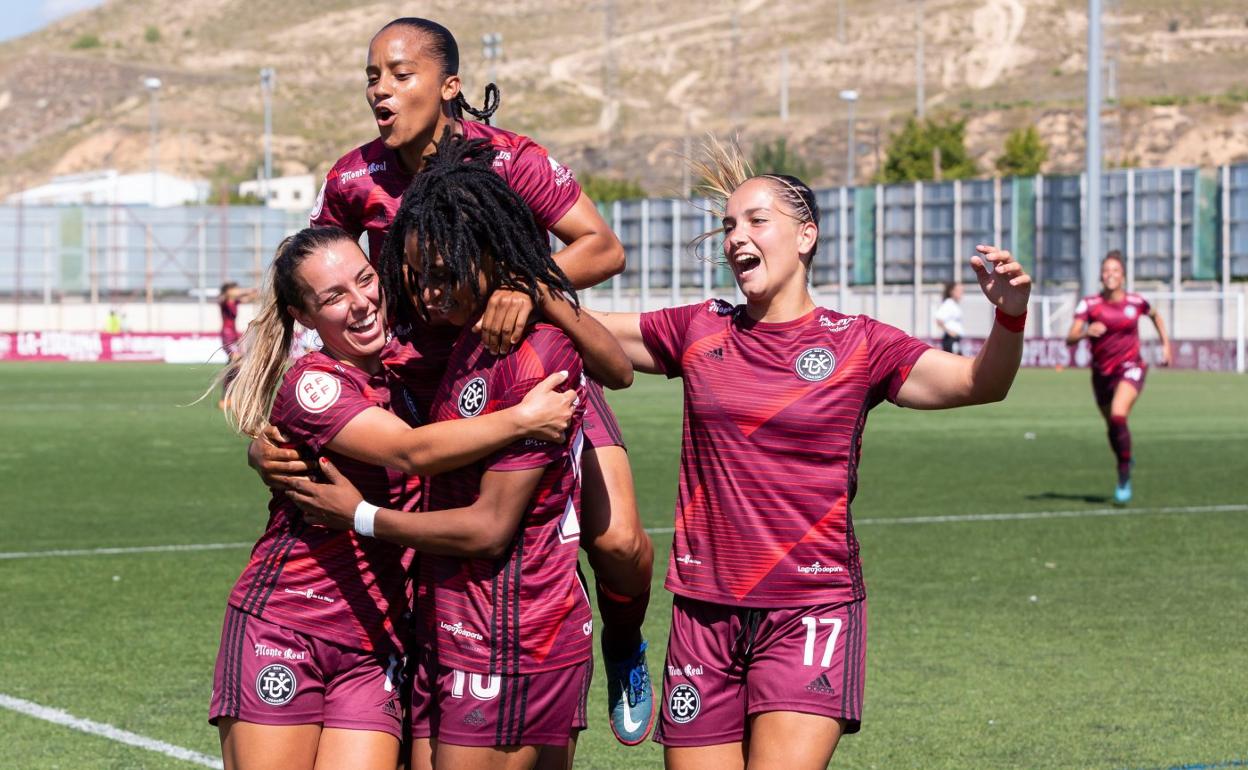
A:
(1177, 227)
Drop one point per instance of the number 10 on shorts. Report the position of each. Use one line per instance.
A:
(813, 627)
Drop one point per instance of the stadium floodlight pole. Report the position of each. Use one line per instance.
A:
(784, 85)
(1090, 271)
(919, 97)
(153, 87)
(850, 97)
(492, 51)
(268, 78)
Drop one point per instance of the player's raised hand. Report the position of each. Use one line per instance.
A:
(502, 324)
(330, 503)
(1002, 279)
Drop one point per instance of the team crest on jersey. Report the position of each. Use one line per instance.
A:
(317, 391)
(684, 703)
(1130, 311)
(815, 364)
(276, 684)
(472, 397)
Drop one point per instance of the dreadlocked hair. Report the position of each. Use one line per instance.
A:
(723, 168)
(459, 209)
(254, 376)
(442, 47)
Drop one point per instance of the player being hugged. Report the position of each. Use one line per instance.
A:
(414, 94)
(505, 616)
(1111, 320)
(315, 629)
(766, 654)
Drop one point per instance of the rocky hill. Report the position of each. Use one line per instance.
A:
(71, 95)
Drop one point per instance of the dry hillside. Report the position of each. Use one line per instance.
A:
(675, 68)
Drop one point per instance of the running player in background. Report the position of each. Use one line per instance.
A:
(949, 319)
(228, 301)
(766, 654)
(414, 94)
(505, 619)
(1111, 320)
(314, 630)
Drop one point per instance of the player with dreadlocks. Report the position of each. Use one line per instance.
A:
(770, 604)
(414, 94)
(504, 617)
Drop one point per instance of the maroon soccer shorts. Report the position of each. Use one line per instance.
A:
(1104, 385)
(725, 664)
(270, 675)
(466, 709)
(600, 426)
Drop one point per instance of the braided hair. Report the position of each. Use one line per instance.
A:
(442, 47)
(459, 209)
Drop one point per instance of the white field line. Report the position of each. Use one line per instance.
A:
(1027, 516)
(56, 716)
(970, 517)
(116, 551)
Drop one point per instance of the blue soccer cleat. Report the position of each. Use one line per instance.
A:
(630, 697)
(1122, 492)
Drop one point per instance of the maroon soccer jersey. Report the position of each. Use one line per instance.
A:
(329, 584)
(1120, 344)
(526, 611)
(229, 319)
(363, 189)
(774, 414)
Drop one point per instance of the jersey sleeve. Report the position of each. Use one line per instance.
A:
(332, 209)
(892, 354)
(543, 353)
(312, 407)
(1081, 311)
(549, 187)
(1146, 307)
(665, 334)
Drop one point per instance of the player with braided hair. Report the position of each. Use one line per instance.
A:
(766, 654)
(504, 617)
(414, 93)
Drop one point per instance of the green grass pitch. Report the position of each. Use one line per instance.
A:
(1082, 642)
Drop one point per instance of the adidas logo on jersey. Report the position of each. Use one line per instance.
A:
(716, 354)
(821, 685)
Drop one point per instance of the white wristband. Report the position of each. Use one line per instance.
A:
(365, 512)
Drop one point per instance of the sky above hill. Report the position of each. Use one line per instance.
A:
(20, 17)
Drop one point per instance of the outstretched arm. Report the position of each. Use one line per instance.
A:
(379, 437)
(626, 328)
(592, 255)
(941, 380)
(482, 530)
(1166, 358)
(604, 359)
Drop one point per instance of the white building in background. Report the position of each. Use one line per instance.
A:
(290, 193)
(109, 186)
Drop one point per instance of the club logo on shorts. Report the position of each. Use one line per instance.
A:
(815, 364)
(684, 703)
(317, 391)
(472, 397)
(276, 684)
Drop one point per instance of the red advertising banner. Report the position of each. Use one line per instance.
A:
(168, 347)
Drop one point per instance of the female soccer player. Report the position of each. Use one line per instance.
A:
(1111, 321)
(949, 319)
(414, 93)
(313, 632)
(227, 301)
(507, 621)
(766, 652)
